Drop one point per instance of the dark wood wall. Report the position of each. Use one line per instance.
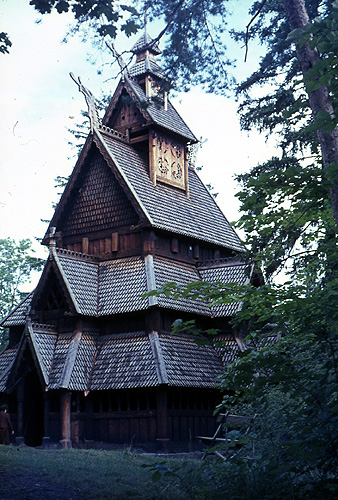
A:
(133, 417)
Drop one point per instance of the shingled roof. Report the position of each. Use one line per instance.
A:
(167, 119)
(17, 316)
(7, 358)
(85, 361)
(166, 208)
(231, 271)
(103, 288)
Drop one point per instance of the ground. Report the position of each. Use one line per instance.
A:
(27, 485)
(78, 474)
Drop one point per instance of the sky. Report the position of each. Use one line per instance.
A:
(39, 102)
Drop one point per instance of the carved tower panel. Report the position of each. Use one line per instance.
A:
(167, 160)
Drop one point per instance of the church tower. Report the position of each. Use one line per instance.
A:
(90, 358)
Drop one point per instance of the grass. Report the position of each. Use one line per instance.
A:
(108, 475)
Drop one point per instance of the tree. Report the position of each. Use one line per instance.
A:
(16, 266)
(5, 43)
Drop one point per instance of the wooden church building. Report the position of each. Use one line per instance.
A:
(90, 359)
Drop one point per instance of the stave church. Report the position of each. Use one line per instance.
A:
(92, 360)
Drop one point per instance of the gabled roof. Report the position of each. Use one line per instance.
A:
(109, 199)
(160, 206)
(84, 361)
(165, 207)
(167, 119)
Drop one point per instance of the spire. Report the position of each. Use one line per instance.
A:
(146, 51)
(145, 43)
(146, 20)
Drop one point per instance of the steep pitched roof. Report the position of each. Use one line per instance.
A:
(122, 282)
(103, 288)
(166, 208)
(84, 361)
(124, 362)
(167, 119)
(190, 365)
(43, 339)
(166, 271)
(146, 66)
(145, 42)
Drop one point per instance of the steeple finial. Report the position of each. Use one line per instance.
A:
(146, 20)
(93, 113)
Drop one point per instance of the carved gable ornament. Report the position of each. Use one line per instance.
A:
(167, 160)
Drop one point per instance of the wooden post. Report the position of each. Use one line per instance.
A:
(162, 417)
(46, 438)
(114, 242)
(89, 419)
(65, 415)
(20, 398)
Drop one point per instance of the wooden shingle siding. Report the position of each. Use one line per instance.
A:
(99, 204)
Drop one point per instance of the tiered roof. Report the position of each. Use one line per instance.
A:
(85, 361)
(103, 288)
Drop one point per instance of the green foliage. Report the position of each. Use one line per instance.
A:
(5, 43)
(103, 17)
(16, 265)
(322, 36)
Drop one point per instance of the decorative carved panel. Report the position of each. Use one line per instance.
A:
(167, 161)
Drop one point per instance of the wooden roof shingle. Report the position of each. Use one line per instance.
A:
(165, 207)
(17, 316)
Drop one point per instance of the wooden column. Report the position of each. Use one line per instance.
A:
(162, 419)
(46, 414)
(46, 438)
(65, 414)
(20, 398)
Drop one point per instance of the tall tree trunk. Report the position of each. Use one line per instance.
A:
(319, 99)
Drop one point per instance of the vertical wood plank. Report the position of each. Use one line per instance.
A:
(107, 245)
(115, 242)
(101, 246)
(85, 245)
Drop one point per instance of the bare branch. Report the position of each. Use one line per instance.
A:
(248, 27)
